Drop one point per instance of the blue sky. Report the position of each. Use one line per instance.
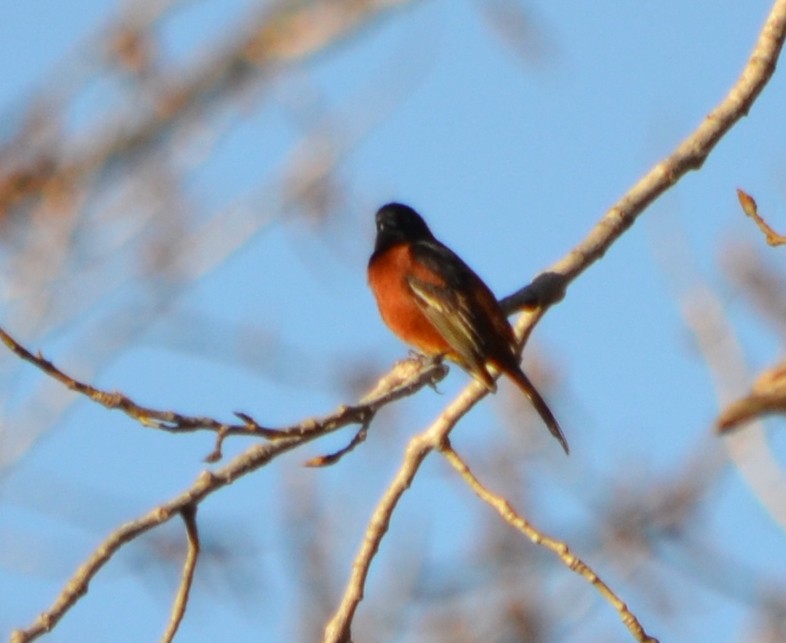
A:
(511, 160)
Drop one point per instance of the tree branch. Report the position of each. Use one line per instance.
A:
(339, 626)
(550, 287)
(750, 208)
(561, 549)
(407, 377)
(689, 155)
(189, 566)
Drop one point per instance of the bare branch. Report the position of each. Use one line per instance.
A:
(406, 377)
(206, 484)
(750, 208)
(338, 629)
(549, 287)
(561, 549)
(767, 396)
(189, 566)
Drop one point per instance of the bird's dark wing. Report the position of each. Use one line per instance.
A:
(445, 309)
(466, 313)
(456, 301)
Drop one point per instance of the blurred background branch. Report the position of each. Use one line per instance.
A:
(102, 227)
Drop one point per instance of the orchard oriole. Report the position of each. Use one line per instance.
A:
(433, 301)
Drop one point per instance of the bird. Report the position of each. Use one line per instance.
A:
(436, 303)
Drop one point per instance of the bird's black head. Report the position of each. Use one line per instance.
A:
(397, 223)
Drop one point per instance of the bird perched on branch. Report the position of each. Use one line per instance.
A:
(433, 301)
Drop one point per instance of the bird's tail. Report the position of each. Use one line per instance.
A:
(523, 382)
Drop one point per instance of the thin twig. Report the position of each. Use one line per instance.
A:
(164, 420)
(189, 566)
(406, 377)
(332, 458)
(558, 547)
(750, 208)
